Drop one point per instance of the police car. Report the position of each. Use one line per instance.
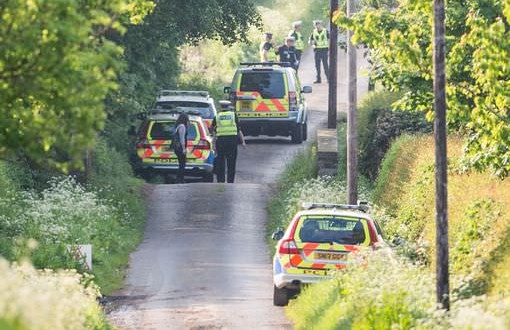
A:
(188, 101)
(153, 146)
(269, 100)
(317, 243)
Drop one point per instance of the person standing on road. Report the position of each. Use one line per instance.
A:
(179, 145)
(267, 50)
(287, 53)
(228, 133)
(299, 40)
(319, 39)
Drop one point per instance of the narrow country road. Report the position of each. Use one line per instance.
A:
(204, 261)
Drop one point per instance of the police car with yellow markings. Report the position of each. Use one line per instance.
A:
(154, 151)
(269, 100)
(317, 243)
(193, 102)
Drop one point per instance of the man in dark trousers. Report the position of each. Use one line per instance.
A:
(287, 53)
(227, 133)
(319, 39)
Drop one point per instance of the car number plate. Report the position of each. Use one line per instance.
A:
(246, 105)
(315, 272)
(330, 256)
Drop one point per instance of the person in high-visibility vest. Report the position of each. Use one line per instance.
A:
(267, 50)
(319, 39)
(299, 43)
(228, 133)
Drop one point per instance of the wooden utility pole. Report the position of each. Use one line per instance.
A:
(442, 273)
(333, 61)
(352, 138)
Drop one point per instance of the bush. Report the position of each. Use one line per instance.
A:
(379, 125)
(479, 213)
(31, 299)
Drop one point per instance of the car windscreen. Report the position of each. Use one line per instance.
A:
(203, 108)
(332, 229)
(270, 84)
(164, 130)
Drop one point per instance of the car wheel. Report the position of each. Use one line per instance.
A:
(305, 131)
(280, 296)
(297, 134)
(208, 177)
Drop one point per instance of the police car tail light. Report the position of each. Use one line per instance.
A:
(373, 234)
(293, 101)
(203, 144)
(288, 246)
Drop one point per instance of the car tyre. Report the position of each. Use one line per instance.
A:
(280, 296)
(297, 134)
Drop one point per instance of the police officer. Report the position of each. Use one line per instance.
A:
(287, 53)
(319, 39)
(227, 132)
(267, 50)
(299, 40)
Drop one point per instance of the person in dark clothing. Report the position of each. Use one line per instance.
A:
(319, 39)
(287, 53)
(181, 133)
(267, 51)
(228, 133)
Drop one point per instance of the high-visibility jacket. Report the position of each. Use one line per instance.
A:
(271, 56)
(226, 124)
(320, 39)
(300, 43)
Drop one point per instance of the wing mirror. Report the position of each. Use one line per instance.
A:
(227, 89)
(277, 235)
(307, 89)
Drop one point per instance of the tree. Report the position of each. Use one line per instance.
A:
(56, 68)
(478, 49)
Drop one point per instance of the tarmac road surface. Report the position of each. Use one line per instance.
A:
(204, 261)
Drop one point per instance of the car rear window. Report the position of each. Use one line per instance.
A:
(270, 85)
(332, 229)
(164, 130)
(203, 108)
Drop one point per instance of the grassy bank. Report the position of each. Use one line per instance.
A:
(39, 218)
(479, 247)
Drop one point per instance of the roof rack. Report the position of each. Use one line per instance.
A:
(362, 206)
(282, 64)
(168, 92)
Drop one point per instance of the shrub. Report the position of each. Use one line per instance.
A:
(379, 125)
(31, 299)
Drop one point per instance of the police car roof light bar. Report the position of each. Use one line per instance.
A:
(168, 92)
(282, 64)
(175, 111)
(362, 206)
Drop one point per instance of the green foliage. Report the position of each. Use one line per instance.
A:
(478, 88)
(379, 125)
(479, 217)
(56, 68)
(381, 291)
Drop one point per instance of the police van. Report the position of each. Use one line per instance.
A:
(269, 100)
